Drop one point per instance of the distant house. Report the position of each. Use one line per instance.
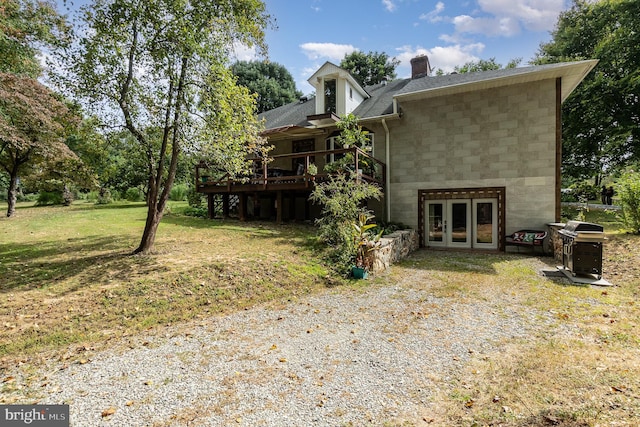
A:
(463, 158)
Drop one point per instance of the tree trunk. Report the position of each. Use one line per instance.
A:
(150, 228)
(12, 194)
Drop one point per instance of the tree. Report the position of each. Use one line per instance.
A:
(271, 81)
(629, 195)
(92, 147)
(601, 120)
(32, 130)
(485, 65)
(158, 67)
(481, 65)
(370, 68)
(25, 26)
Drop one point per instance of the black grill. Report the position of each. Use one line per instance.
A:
(582, 247)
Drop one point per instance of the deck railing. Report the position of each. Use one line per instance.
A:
(367, 168)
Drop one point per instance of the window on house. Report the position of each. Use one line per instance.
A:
(302, 146)
(330, 96)
(350, 93)
(333, 144)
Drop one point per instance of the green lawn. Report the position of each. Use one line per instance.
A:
(68, 275)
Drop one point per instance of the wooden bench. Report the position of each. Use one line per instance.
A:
(527, 238)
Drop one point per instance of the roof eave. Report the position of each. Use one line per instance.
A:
(572, 73)
(391, 116)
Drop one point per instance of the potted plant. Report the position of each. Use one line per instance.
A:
(312, 170)
(364, 242)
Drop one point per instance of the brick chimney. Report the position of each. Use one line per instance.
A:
(420, 66)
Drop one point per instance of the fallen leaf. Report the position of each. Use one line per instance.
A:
(469, 403)
(553, 420)
(9, 379)
(129, 403)
(108, 412)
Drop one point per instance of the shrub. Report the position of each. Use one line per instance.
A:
(67, 196)
(629, 198)
(567, 195)
(178, 193)
(133, 194)
(200, 212)
(388, 227)
(29, 197)
(104, 197)
(194, 198)
(585, 191)
(49, 198)
(342, 198)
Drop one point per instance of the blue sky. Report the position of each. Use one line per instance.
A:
(310, 32)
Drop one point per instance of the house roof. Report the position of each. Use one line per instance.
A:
(382, 96)
(572, 73)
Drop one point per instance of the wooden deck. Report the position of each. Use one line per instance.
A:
(279, 183)
(274, 179)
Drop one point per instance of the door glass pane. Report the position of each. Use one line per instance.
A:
(436, 221)
(459, 230)
(484, 219)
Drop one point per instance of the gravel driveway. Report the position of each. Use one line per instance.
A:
(339, 358)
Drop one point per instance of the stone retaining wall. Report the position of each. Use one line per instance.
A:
(394, 247)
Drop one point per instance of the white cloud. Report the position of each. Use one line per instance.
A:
(494, 26)
(301, 82)
(434, 15)
(241, 52)
(330, 51)
(389, 5)
(506, 18)
(444, 57)
(534, 15)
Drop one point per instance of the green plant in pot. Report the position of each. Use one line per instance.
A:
(312, 170)
(364, 242)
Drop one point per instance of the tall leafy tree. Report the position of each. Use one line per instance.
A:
(157, 67)
(481, 65)
(601, 120)
(370, 68)
(485, 65)
(32, 132)
(271, 81)
(25, 27)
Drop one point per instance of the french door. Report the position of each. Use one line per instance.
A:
(462, 223)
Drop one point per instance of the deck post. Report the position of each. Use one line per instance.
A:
(242, 206)
(292, 207)
(225, 205)
(211, 209)
(279, 207)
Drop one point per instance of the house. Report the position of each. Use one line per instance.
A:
(462, 158)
